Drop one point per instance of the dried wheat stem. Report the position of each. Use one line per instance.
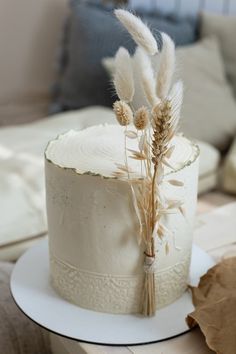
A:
(162, 127)
(149, 303)
(153, 196)
(149, 298)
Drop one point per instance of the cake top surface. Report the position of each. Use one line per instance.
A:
(98, 150)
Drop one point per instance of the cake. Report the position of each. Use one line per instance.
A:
(121, 198)
(96, 261)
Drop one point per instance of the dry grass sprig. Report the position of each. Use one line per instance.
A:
(147, 77)
(137, 155)
(166, 68)
(123, 78)
(123, 112)
(141, 118)
(124, 168)
(176, 99)
(140, 33)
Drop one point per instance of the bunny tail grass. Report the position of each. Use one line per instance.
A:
(146, 77)
(167, 67)
(123, 78)
(140, 33)
(176, 99)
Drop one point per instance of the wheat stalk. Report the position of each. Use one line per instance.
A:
(164, 127)
(162, 130)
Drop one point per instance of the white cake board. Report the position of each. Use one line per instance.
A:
(34, 295)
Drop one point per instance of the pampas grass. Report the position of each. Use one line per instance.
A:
(140, 33)
(166, 68)
(123, 78)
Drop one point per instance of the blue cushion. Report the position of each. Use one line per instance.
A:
(92, 33)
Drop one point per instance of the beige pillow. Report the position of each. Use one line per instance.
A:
(224, 28)
(209, 108)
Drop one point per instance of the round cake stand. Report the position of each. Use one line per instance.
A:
(32, 292)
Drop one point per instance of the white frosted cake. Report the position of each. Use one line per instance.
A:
(95, 259)
(121, 198)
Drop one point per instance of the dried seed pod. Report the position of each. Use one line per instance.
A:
(124, 114)
(141, 118)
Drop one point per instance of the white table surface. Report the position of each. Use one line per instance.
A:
(216, 233)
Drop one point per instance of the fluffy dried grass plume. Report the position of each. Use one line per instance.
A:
(146, 77)
(141, 118)
(123, 112)
(167, 67)
(140, 33)
(123, 78)
(176, 99)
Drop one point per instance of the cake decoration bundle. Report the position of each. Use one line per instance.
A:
(121, 198)
(156, 124)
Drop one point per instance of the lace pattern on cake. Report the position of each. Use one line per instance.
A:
(116, 294)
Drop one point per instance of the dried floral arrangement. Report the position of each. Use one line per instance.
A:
(153, 125)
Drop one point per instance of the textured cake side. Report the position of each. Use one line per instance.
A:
(96, 262)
